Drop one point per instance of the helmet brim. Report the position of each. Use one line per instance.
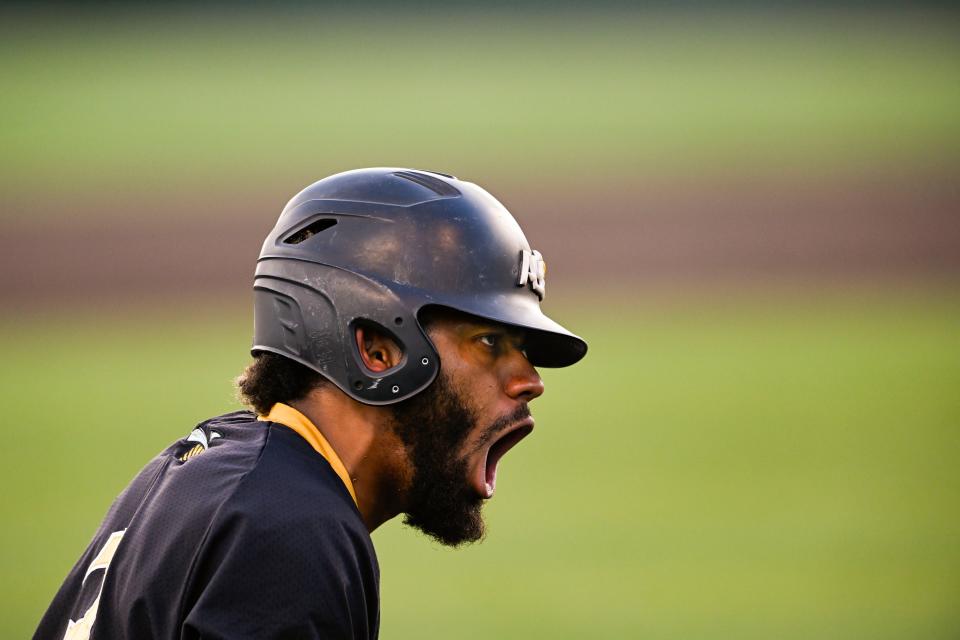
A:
(548, 344)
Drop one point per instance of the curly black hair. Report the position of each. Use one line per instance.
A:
(272, 378)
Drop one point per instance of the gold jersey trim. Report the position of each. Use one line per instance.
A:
(290, 417)
(192, 453)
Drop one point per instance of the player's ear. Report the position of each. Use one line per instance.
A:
(378, 350)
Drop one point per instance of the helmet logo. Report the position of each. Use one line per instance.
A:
(533, 271)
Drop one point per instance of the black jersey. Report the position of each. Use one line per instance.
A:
(240, 530)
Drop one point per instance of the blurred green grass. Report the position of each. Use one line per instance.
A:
(156, 101)
(714, 469)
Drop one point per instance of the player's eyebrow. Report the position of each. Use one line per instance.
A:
(517, 336)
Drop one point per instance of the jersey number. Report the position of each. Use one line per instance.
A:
(80, 629)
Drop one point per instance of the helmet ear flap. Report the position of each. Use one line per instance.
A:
(294, 316)
(288, 324)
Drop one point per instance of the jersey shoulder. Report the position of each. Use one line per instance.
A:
(288, 547)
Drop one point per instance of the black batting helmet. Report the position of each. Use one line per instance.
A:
(375, 247)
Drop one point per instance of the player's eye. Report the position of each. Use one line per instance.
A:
(488, 340)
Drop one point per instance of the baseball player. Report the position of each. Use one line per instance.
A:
(397, 325)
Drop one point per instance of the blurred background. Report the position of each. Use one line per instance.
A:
(750, 211)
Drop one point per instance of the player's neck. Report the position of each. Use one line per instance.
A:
(363, 439)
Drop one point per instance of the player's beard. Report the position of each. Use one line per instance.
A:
(434, 425)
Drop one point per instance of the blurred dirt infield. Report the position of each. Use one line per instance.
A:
(673, 234)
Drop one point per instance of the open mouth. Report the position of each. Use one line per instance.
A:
(497, 450)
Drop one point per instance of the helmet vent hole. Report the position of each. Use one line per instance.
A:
(398, 321)
(438, 186)
(358, 384)
(310, 230)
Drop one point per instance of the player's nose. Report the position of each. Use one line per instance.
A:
(524, 383)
